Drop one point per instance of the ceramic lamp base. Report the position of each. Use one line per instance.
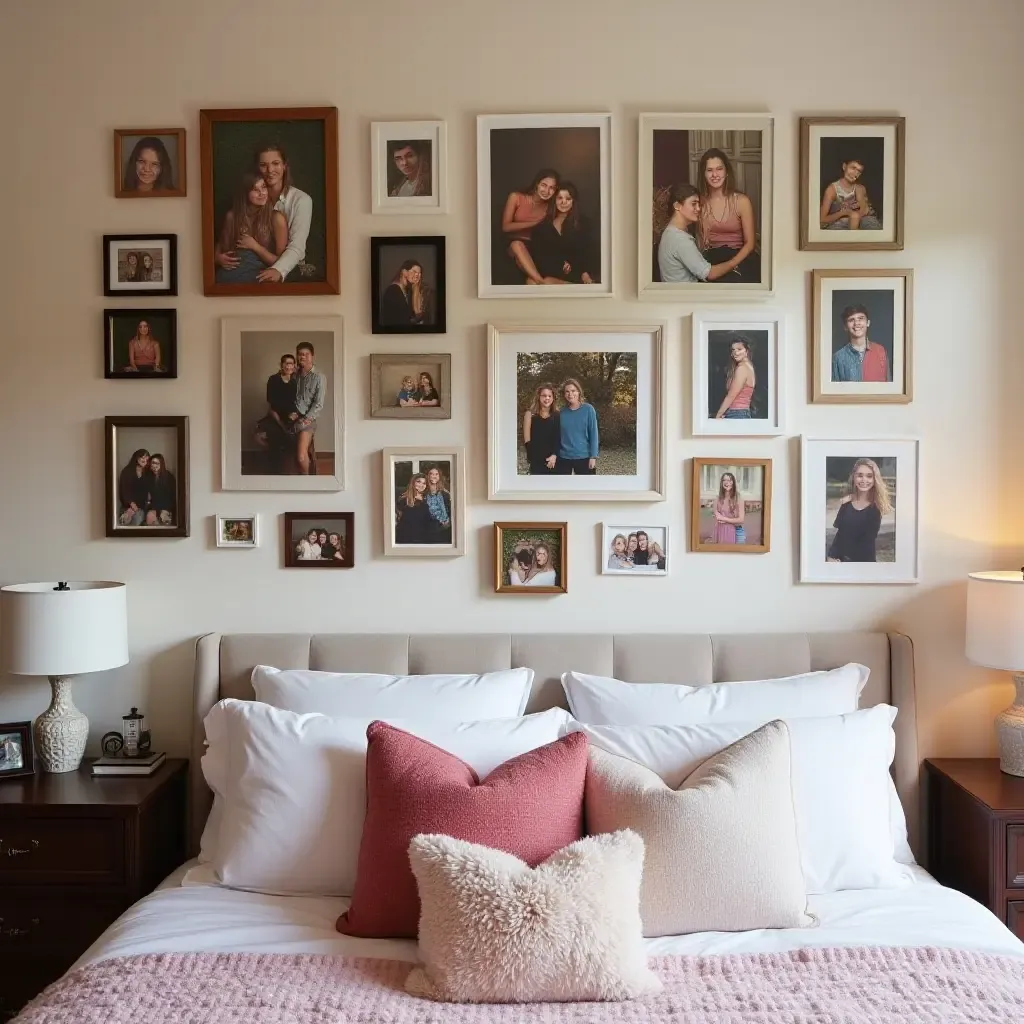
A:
(61, 730)
(1010, 728)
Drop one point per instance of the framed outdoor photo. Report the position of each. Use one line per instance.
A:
(544, 214)
(634, 550)
(409, 167)
(738, 373)
(146, 482)
(149, 163)
(862, 335)
(282, 403)
(270, 201)
(237, 531)
(140, 344)
(140, 265)
(411, 385)
(731, 506)
(424, 501)
(16, 750)
(575, 412)
(531, 558)
(319, 540)
(851, 183)
(859, 511)
(705, 206)
(407, 288)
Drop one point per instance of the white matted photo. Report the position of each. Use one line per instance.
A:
(282, 404)
(424, 501)
(409, 167)
(738, 373)
(237, 531)
(575, 412)
(859, 511)
(705, 206)
(634, 550)
(544, 217)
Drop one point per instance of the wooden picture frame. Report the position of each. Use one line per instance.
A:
(117, 354)
(391, 308)
(16, 743)
(417, 533)
(507, 538)
(388, 367)
(699, 499)
(299, 524)
(125, 274)
(169, 144)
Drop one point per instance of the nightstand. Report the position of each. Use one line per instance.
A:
(976, 833)
(75, 852)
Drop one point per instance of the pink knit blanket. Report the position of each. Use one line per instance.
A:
(823, 986)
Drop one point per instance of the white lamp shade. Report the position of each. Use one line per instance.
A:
(995, 619)
(50, 632)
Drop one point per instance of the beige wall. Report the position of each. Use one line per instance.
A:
(71, 72)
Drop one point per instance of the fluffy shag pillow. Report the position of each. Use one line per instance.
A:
(495, 930)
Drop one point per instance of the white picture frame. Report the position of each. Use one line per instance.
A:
(250, 349)
(382, 134)
(753, 163)
(823, 486)
(613, 563)
(222, 526)
(422, 459)
(640, 357)
(712, 331)
(588, 160)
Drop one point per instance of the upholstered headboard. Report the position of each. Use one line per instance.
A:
(224, 664)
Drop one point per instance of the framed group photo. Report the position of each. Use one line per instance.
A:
(270, 201)
(140, 344)
(409, 167)
(731, 506)
(531, 558)
(149, 163)
(411, 385)
(424, 501)
(544, 219)
(319, 540)
(237, 531)
(407, 284)
(634, 550)
(140, 265)
(705, 206)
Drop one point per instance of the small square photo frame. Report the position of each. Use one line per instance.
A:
(140, 265)
(407, 284)
(149, 163)
(411, 385)
(333, 546)
(237, 531)
(409, 167)
(740, 525)
(518, 566)
(16, 756)
(140, 344)
(634, 550)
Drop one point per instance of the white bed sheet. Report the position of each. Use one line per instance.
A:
(208, 918)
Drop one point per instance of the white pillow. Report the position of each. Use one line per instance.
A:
(841, 786)
(290, 789)
(599, 700)
(453, 698)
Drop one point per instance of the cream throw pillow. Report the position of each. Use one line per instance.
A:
(721, 851)
(494, 930)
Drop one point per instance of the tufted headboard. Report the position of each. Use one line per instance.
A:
(224, 664)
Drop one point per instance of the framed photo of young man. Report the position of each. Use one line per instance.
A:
(851, 183)
(282, 404)
(424, 501)
(575, 412)
(544, 215)
(862, 336)
(270, 201)
(409, 167)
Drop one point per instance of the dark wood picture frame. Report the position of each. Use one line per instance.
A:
(181, 182)
(331, 285)
(171, 282)
(766, 508)
(379, 242)
(168, 355)
(291, 559)
(501, 586)
(179, 424)
(24, 730)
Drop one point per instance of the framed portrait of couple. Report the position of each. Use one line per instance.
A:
(531, 558)
(407, 284)
(424, 501)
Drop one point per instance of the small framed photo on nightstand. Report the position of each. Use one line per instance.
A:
(16, 750)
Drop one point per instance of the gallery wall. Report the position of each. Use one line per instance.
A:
(74, 72)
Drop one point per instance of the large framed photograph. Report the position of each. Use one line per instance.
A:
(407, 285)
(149, 163)
(632, 550)
(16, 750)
(862, 348)
(544, 194)
(140, 344)
(282, 404)
(319, 540)
(731, 506)
(411, 385)
(270, 201)
(859, 511)
(738, 373)
(705, 206)
(851, 183)
(424, 501)
(146, 482)
(237, 531)
(575, 413)
(409, 167)
(531, 558)
(140, 265)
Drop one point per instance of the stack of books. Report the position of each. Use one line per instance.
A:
(121, 765)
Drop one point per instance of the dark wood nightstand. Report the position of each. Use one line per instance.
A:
(75, 852)
(976, 833)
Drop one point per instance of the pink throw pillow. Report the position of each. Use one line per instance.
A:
(530, 807)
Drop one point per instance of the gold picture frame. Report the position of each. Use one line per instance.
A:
(520, 540)
(741, 470)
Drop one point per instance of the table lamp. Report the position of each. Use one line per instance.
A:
(60, 630)
(995, 638)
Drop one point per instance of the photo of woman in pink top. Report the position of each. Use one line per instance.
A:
(726, 229)
(144, 351)
(524, 211)
(729, 512)
(740, 380)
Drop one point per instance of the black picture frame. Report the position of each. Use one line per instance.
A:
(24, 731)
(168, 354)
(170, 284)
(320, 519)
(380, 322)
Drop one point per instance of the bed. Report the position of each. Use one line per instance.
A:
(918, 953)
